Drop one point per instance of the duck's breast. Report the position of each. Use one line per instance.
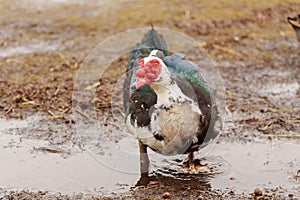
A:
(175, 129)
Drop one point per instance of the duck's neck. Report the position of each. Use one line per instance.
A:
(168, 92)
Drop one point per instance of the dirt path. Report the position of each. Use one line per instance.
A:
(42, 47)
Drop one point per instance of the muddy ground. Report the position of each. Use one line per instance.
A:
(43, 45)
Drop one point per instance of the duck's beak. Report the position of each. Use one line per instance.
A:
(140, 82)
(133, 86)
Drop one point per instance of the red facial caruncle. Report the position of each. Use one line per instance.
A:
(148, 72)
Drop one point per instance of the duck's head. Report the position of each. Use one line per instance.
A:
(151, 70)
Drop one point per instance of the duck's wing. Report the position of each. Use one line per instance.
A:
(193, 85)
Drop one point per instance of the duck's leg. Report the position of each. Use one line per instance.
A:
(191, 159)
(144, 160)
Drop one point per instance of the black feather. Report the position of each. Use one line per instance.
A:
(140, 103)
(145, 96)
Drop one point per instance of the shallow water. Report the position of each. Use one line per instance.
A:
(112, 165)
(34, 46)
(263, 164)
(23, 168)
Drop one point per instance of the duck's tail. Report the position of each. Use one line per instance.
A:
(151, 40)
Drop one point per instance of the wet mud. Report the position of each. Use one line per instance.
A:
(51, 151)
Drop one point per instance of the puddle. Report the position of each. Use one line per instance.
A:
(286, 89)
(8, 124)
(111, 164)
(44, 4)
(31, 47)
(21, 168)
(234, 166)
(47, 2)
(264, 165)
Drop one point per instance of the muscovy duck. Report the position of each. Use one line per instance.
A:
(295, 22)
(168, 105)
